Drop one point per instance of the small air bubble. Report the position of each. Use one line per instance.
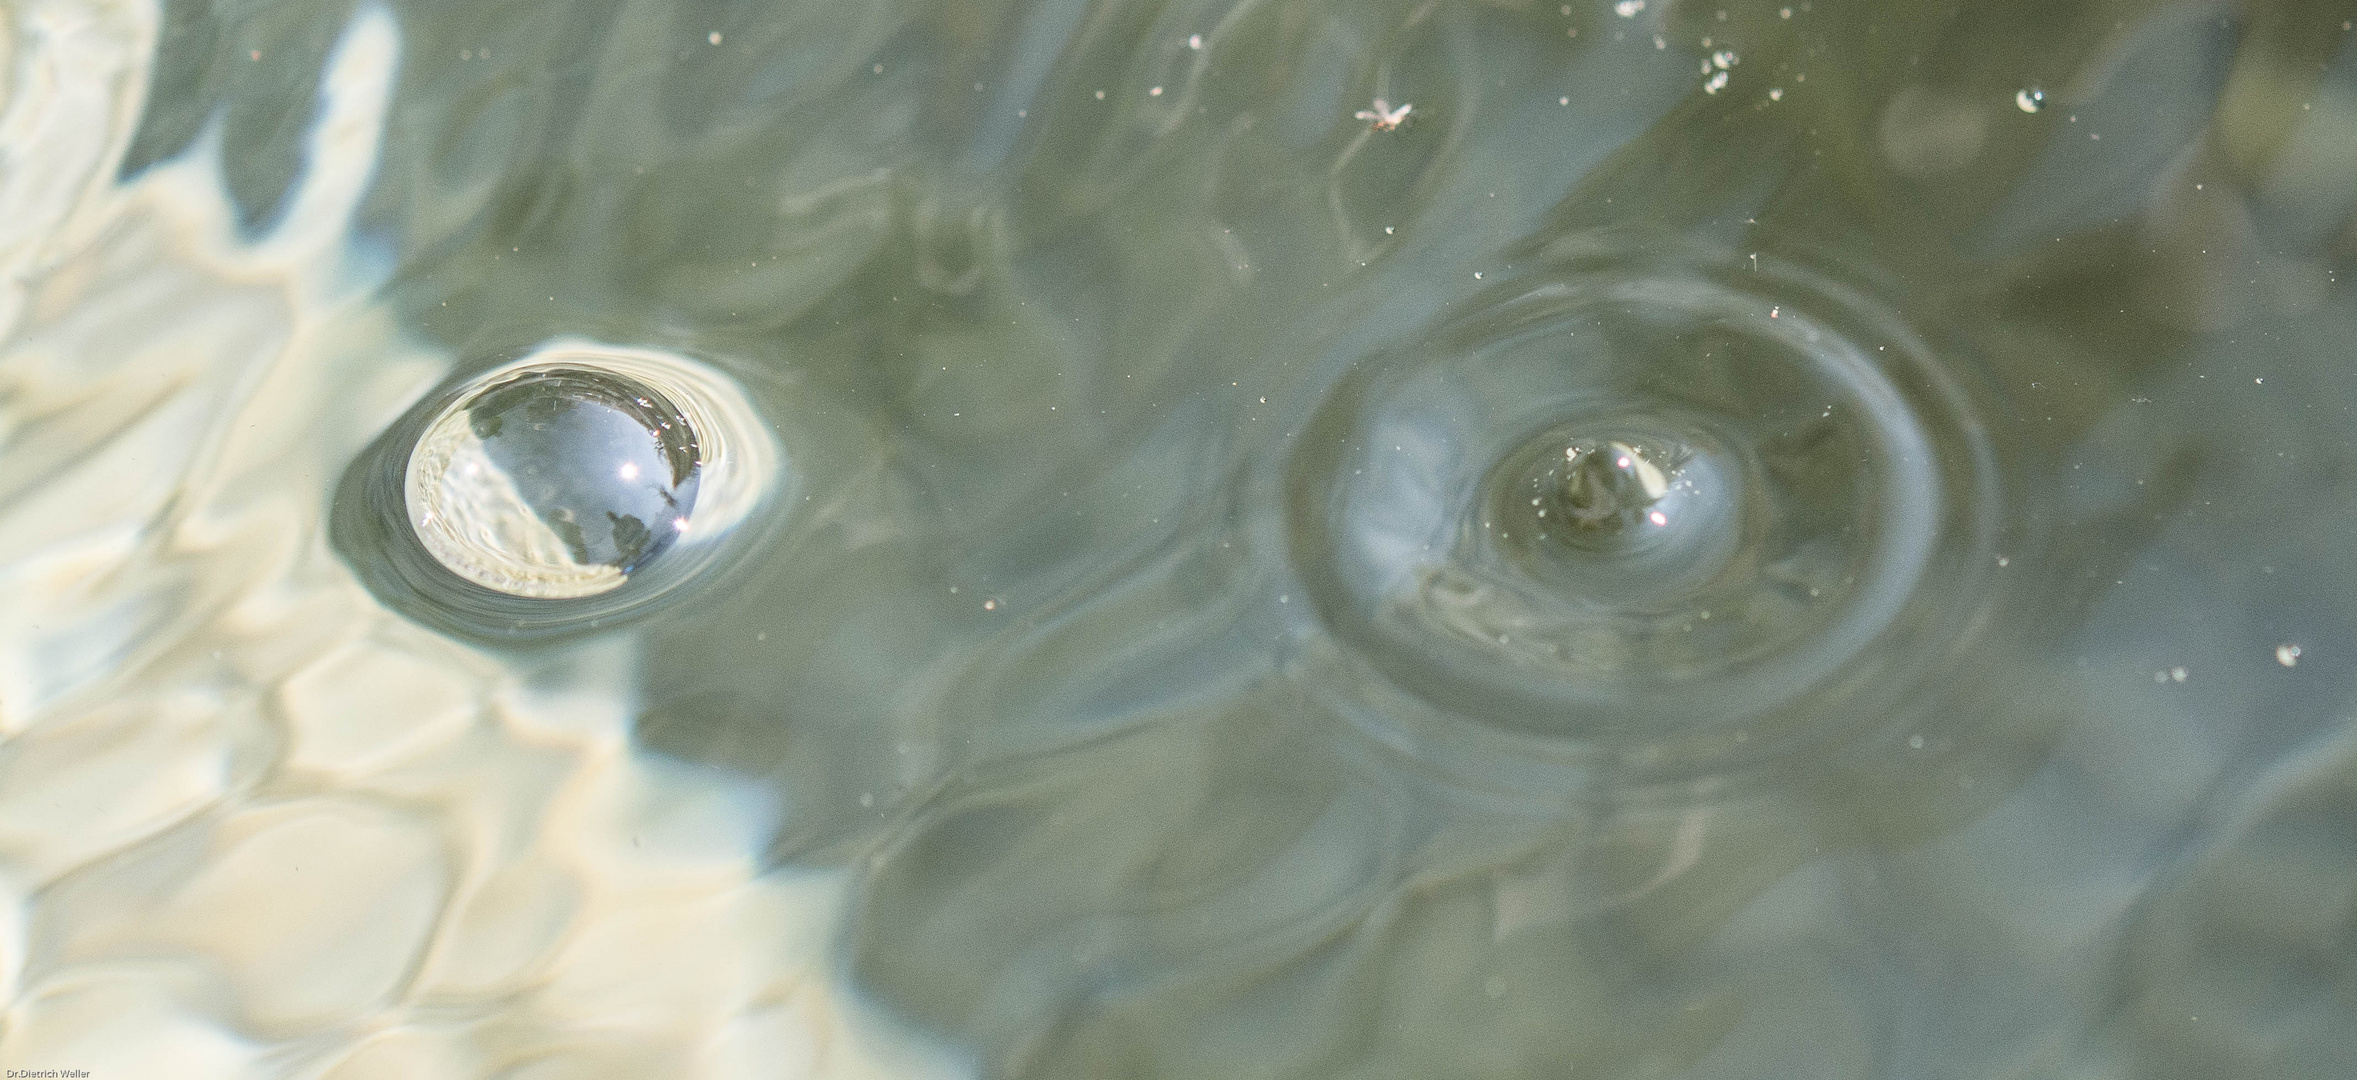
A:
(2287, 655)
(2029, 99)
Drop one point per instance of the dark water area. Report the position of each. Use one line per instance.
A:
(1731, 540)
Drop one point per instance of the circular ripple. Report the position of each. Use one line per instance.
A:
(1632, 500)
(556, 491)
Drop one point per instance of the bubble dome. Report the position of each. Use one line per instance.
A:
(553, 482)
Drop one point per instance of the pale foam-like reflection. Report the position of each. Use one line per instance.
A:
(250, 822)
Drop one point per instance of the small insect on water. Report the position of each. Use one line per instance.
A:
(1383, 117)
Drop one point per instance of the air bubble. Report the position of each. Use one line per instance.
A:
(560, 491)
(553, 481)
(2029, 99)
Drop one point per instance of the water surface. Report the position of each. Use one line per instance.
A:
(1055, 539)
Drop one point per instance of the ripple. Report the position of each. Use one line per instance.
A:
(1633, 500)
(558, 490)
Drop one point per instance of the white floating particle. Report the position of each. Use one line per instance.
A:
(1155, 92)
(1724, 59)
(1194, 41)
(1100, 95)
(2287, 655)
(1717, 83)
(1915, 741)
(2176, 674)
(1628, 9)
(713, 37)
(1565, 100)
(1783, 13)
(2029, 99)
(1776, 93)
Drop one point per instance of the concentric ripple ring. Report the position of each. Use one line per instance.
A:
(1636, 498)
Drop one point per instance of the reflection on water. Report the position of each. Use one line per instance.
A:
(1288, 539)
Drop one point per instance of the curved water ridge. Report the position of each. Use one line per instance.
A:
(1652, 500)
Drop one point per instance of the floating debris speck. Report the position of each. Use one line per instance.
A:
(1383, 117)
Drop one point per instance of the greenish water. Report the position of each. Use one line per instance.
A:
(1140, 617)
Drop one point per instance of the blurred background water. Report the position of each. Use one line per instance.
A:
(1285, 539)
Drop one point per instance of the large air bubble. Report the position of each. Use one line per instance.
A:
(559, 491)
(554, 481)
